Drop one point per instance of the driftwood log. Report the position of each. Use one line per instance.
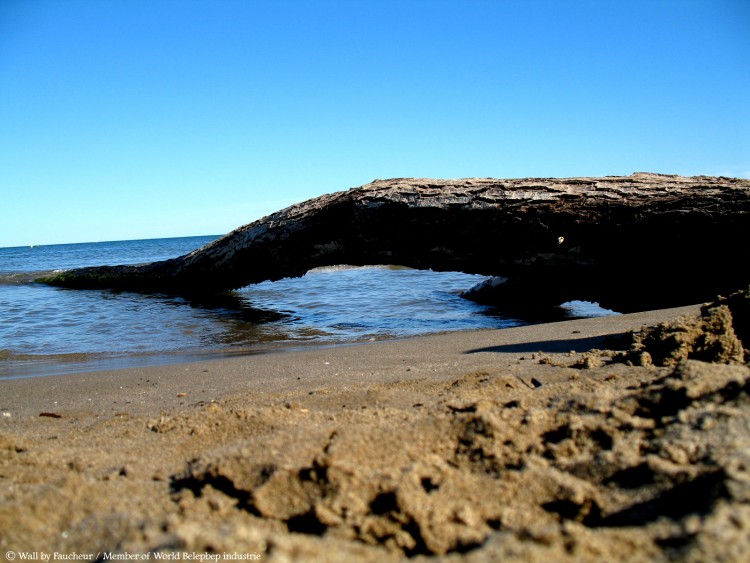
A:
(627, 242)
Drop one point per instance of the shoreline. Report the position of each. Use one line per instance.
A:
(244, 371)
(23, 366)
(519, 444)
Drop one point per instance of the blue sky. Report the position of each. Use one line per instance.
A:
(139, 119)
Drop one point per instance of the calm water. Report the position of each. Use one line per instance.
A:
(47, 331)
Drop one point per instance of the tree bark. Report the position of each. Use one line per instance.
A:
(627, 242)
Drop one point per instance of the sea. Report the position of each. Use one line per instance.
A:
(47, 331)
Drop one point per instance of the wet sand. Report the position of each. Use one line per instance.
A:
(520, 444)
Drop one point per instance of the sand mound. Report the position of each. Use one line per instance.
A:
(716, 335)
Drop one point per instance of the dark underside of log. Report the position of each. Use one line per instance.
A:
(630, 243)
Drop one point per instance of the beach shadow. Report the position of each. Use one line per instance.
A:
(556, 346)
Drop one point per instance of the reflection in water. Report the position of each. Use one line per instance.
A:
(233, 306)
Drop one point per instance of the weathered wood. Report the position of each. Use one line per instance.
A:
(628, 242)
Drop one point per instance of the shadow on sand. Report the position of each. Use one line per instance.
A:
(556, 346)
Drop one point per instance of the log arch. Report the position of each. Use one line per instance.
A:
(628, 242)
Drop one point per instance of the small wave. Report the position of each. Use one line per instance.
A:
(347, 267)
(9, 355)
(586, 309)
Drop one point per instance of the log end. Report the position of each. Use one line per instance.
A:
(99, 277)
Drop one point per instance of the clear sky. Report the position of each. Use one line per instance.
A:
(153, 118)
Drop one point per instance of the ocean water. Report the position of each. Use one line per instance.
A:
(50, 331)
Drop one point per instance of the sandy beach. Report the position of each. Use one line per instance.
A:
(522, 444)
(375, 281)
